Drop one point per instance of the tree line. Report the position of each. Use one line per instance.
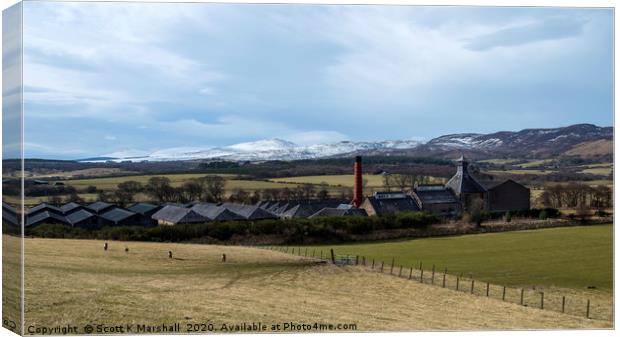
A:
(212, 188)
(577, 195)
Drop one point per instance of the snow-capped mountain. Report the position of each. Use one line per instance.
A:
(530, 142)
(268, 149)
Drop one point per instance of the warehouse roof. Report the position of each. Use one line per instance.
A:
(43, 207)
(79, 216)
(143, 208)
(215, 212)
(70, 207)
(435, 194)
(175, 215)
(393, 205)
(250, 212)
(45, 216)
(99, 206)
(117, 215)
(330, 211)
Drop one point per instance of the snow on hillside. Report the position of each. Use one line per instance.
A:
(267, 149)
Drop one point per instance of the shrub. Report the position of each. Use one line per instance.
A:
(508, 217)
(543, 215)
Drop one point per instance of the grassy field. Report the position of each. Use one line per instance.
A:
(346, 180)
(83, 284)
(534, 163)
(571, 257)
(524, 171)
(110, 183)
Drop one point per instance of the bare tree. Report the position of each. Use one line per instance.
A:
(160, 189)
(192, 190)
(213, 187)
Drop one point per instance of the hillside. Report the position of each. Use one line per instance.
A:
(86, 284)
(531, 143)
(592, 149)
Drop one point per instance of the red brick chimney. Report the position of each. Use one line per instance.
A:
(358, 194)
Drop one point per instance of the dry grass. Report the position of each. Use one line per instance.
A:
(592, 148)
(11, 281)
(83, 284)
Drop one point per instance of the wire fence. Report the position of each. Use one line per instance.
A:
(571, 304)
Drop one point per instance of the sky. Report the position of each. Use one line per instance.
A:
(103, 78)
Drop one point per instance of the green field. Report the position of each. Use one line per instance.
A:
(571, 257)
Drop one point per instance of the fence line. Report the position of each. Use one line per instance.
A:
(521, 296)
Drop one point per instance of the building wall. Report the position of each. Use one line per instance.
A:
(509, 196)
(366, 205)
(468, 200)
(443, 209)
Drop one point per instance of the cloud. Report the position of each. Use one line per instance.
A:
(170, 75)
(544, 30)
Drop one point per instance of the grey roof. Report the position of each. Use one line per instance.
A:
(330, 211)
(390, 195)
(250, 212)
(393, 205)
(215, 212)
(175, 214)
(79, 216)
(305, 210)
(280, 207)
(66, 208)
(8, 207)
(44, 207)
(45, 216)
(492, 184)
(117, 215)
(99, 206)
(462, 181)
(143, 208)
(435, 194)
(9, 217)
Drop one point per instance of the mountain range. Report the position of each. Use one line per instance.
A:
(534, 143)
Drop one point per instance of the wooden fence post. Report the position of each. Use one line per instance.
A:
(321, 254)
(357, 259)
(420, 265)
(410, 272)
(400, 272)
(382, 266)
(443, 284)
(313, 251)
(333, 256)
(542, 300)
(306, 253)
(504, 293)
(421, 275)
(373, 264)
(433, 275)
(364, 261)
(588, 310)
(392, 266)
(563, 303)
(521, 296)
(457, 282)
(472, 287)
(487, 289)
